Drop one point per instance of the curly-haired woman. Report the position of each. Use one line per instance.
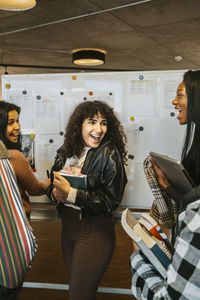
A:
(94, 145)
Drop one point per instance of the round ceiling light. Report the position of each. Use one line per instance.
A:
(17, 5)
(88, 57)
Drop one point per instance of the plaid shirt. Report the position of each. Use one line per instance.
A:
(183, 275)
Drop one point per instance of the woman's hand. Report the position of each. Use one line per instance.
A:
(135, 247)
(162, 179)
(47, 181)
(59, 196)
(62, 187)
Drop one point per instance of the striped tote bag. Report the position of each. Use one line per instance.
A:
(17, 242)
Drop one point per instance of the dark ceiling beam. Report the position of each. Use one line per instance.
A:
(61, 68)
(75, 17)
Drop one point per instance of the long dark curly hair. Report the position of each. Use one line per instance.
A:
(191, 148)
(73, 141)
(5, 108)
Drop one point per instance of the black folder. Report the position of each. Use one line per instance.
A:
(174, 171)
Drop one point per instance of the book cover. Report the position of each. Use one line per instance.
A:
(76, 181)
(145, 242)
(154, 228)
(151, 227)
(153, 245)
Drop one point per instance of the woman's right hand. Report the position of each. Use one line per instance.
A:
(162, 179)
(61, 187)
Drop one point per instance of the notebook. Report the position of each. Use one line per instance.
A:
(75, 180)
(174, 171)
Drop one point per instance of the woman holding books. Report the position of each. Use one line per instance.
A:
(183, 273)
(10, 134)
(94, 145)
(187, 103)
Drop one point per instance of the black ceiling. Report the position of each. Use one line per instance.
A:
(137, 35)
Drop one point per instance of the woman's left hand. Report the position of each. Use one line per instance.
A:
(162, 179)
(59, 196)
(61, 184)
(135, 247)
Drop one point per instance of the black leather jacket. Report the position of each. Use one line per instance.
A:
(106, 179)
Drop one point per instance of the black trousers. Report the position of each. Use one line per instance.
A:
(87, 246)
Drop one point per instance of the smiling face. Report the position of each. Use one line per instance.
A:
(180, 103)
(94, 130)
(13, 126)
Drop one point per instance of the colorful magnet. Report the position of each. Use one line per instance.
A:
(7, 86)
(32, 135)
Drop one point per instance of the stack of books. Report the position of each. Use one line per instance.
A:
(149, 237)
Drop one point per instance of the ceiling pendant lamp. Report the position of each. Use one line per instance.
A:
(88, 57)
(17, 5)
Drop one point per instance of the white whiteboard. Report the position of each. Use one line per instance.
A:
(142, 101)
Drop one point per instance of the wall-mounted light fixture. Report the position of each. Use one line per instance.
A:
(17, 5)
(88, 57)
